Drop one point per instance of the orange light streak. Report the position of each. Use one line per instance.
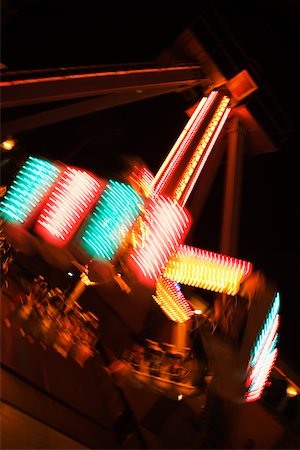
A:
(204, 148)
(172, 301)
(181, 145)
(94, 75)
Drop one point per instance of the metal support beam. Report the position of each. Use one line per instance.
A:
(232, 191)
(199, 195)
(78, 109)
(32, 88)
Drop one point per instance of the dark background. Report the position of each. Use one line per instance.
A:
(59, 33)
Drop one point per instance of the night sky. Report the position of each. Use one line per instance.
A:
(59, 33)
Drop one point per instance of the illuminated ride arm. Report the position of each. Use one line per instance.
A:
(157, 245)
(61, 201)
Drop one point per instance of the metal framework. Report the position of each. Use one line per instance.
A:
(98, 88)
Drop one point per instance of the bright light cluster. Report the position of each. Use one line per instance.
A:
(72, 197)
(172, 301)
(163, 226)
(30, 186)
(114, 215)
(142, 180)
(207, 270)
(261, 377)
(174, 158)
(264, 353)
(194, 167)
(271, 319)
(152, 233)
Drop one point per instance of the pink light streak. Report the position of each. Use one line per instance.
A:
(69, 202)
(174, 157)
(166, 224)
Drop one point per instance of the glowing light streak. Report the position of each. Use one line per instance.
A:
(114, 215)
(196, 173)
(146, 180)
(176, 154)
(141, 180)
(94, 74)
(30, 186)
(206, 270)
(172, 301)
(268, 348)
(264, 353)
(270, 321)
(189, 170)
(257, 389)
(167, 225)
(171, 155)
(71, 199)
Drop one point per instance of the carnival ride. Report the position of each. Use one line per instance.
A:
(134, 232)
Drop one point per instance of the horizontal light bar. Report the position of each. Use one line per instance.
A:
(207, 270)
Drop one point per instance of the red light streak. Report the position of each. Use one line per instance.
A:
(69, 202)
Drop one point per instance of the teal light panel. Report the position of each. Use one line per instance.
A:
(30, 186)
(114, 214)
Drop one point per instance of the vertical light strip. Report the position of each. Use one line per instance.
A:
(201, 147)
(264, 353)
(195, 175)
(257, 389)
(268, 348)
(207, 270)
(268, 323)
(72, 197)
(168, 161)
(182, 143)
(146, 181)
(141, 179)
(30, 186)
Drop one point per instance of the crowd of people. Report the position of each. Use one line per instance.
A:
(43, 315)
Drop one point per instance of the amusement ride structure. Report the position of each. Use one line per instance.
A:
(141, 225)
(133, 231)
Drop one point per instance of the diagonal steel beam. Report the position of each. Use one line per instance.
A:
(28, 88)
(78, 109)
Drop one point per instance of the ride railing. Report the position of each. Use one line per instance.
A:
(163, 367)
